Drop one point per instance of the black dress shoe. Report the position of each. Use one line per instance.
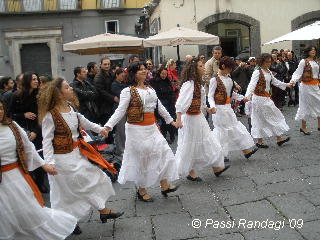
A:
(104, 217)
(196, 179)
(77, 230)
(220, 172)
(318, 129)
(140, 197)
(305, 133)
(283, 141)
(169, 190)
(261, 145)
(247, 155)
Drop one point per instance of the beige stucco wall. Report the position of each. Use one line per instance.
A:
(275, 17)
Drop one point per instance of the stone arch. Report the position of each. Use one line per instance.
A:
(298, 21)
(253, 24)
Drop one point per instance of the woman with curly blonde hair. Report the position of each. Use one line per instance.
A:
(78, 185)
(197, 147)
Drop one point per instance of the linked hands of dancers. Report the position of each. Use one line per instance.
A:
(105, 131)
(211, 110)
(246, 99)
(174, 124)
(50, 169)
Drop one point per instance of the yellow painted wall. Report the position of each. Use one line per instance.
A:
(135, 3)
(13, 6)
(50, 5)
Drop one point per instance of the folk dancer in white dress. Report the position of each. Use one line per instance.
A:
(78, 185)
(147, 158)
(197, 147)
(23, 215)
(231, 133)
(309, 93)
(267, 120)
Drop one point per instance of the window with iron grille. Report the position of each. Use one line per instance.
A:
(110, 3)
(68, 4)
(112, 26)
(32, 5)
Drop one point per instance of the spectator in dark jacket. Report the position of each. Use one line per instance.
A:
(163, 87)
(117, 86)
(106, 98)
(292, 65)
(7, 96)
(86, 94)
(279, 67)
(93, 69)
(6, 84)
(24, 111)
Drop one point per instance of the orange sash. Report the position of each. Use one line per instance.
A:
(314, 81)
(228, 101)
(27, 177)
(88, 151)
(196, 113)
(148, 119)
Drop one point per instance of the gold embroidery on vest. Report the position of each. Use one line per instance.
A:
(220, 95)
(260, 89)
(62, 141)
(307, 72)
(135, 109)
(196, 100)
(20, 147)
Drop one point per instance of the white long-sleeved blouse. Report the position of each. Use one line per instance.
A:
(270, 79)
(8, 147)
(149, 100)
(71, 118)
(227, 82)
(296, 76)
(186, 95)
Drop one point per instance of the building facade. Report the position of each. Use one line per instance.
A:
(32, 32)
(243, 26)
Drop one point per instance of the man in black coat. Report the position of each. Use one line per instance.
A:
(106, 98)
(86, 93)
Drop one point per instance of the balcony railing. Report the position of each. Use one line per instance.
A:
(21, 6)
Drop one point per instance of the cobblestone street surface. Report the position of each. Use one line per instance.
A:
(274, 195)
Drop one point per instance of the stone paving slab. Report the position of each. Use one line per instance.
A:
(275, 185)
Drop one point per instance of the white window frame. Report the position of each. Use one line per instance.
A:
(109, 3)
(106, 25)
(65, 4)
(32, 5)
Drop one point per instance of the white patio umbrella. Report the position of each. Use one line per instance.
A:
(309, 32)
(105, 43)
(181, 36)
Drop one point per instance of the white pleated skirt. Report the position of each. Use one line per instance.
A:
(21, 216)
(231, 133)
(79, 185)
(266, 119)
(309, 102)
(147, 157)
(197, 147)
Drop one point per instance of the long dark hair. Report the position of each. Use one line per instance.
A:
(132, 70)
(26, 85)
(5, 120)
(308, 49)
(190, 72)
(262, 58)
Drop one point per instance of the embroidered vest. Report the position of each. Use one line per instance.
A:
(196, 100)
(135, 109)
(220, 95)
(20, 148)
(307, 72)
(62, 141)
(260, 89)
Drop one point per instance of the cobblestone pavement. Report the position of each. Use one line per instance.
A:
(274, 195)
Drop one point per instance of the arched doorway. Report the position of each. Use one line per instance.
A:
(234, 38)
(302, 21)
(239, 33)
